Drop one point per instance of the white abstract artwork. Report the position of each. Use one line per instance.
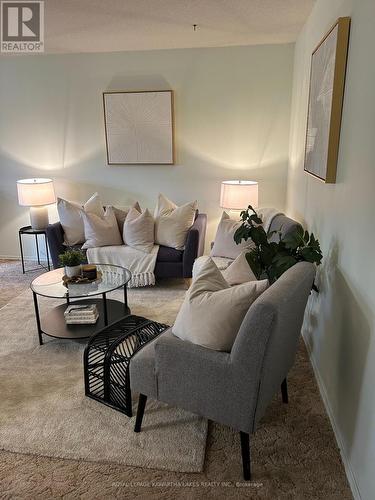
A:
(320, 105)
(139, 127)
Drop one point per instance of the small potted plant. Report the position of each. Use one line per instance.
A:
(72, 260)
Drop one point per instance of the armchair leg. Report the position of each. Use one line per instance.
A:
(284, 391)
(245, 451)
(140, 411)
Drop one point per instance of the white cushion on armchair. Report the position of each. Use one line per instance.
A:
(212, 311)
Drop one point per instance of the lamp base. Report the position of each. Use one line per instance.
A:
(39, 217)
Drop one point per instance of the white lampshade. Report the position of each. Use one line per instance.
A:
(35, 192)
(237, 195)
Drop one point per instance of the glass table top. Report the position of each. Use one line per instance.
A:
(50, 284)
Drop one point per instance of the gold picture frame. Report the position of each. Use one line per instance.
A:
(326, 96)
(139, 127)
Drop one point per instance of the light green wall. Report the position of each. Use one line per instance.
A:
(340, 325)
(232, 108)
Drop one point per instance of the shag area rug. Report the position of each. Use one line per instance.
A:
(43, 409)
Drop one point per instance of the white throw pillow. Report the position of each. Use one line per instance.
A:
(101, 231)
(122, 212)
(71, 220)
(239, 271)
(139, 230)
(221, 262)
(212, 311)
(199, 264)
(224, 244)
(172, 223)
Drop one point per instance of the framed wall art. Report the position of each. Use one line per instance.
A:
(139, 127)
(326, 95)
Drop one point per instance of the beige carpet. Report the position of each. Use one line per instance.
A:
(43, 409)
(294, 453)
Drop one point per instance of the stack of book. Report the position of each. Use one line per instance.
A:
(77, 314)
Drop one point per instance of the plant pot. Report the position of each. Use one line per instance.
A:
(71, 271)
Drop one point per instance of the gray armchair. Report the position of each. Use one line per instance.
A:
(231, 388)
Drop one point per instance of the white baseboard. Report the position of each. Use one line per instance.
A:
(340, 443)
(26, 258)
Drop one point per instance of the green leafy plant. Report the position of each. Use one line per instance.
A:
(71, 258)
(270, 259)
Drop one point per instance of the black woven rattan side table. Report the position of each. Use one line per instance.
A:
(107, 357)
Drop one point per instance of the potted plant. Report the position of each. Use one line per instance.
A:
(72, 260)
(271, 259)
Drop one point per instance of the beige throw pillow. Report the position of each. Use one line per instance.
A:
(239, 271)
(224, 244)
(122, 212)
(101, 231)
(71, 219)
(212, 311)
(139, 230)
(220, 262)
(172, 223)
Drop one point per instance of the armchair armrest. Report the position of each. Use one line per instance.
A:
(207, 382)
(173, 350)
(192, 377)
(194, 244)
(55, 236)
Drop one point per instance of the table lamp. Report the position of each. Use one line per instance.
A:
(238, 195)
(36, 194)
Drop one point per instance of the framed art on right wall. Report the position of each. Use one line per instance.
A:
(326, 96)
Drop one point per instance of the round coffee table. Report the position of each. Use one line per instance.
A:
(50, 284)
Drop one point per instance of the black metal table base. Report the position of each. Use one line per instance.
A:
(107, 357)
(53, 324)
(35, 232)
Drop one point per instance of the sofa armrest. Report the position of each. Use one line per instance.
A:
(194, 244)
(55, 236)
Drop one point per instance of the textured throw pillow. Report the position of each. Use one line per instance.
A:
(139, 230)
(172, 223)
(101, 231)
(199, 264)
(224, 244)
(70, 215)
(221, 262)
(122, 212)
(212, 311)
(239, 271)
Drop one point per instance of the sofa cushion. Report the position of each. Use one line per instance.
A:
(122, 212)
(213, 311)
(101, 231)
(239, 271)
(224, 244)
(138, 230)
(172, 223)
(70, 214)
(221, 262)
(168, 254)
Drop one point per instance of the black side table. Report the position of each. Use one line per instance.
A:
(36, 233)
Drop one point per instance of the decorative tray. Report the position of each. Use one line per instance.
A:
(80, 280)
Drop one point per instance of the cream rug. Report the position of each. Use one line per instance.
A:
(43, 409)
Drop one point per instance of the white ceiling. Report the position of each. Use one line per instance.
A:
(117, 25)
